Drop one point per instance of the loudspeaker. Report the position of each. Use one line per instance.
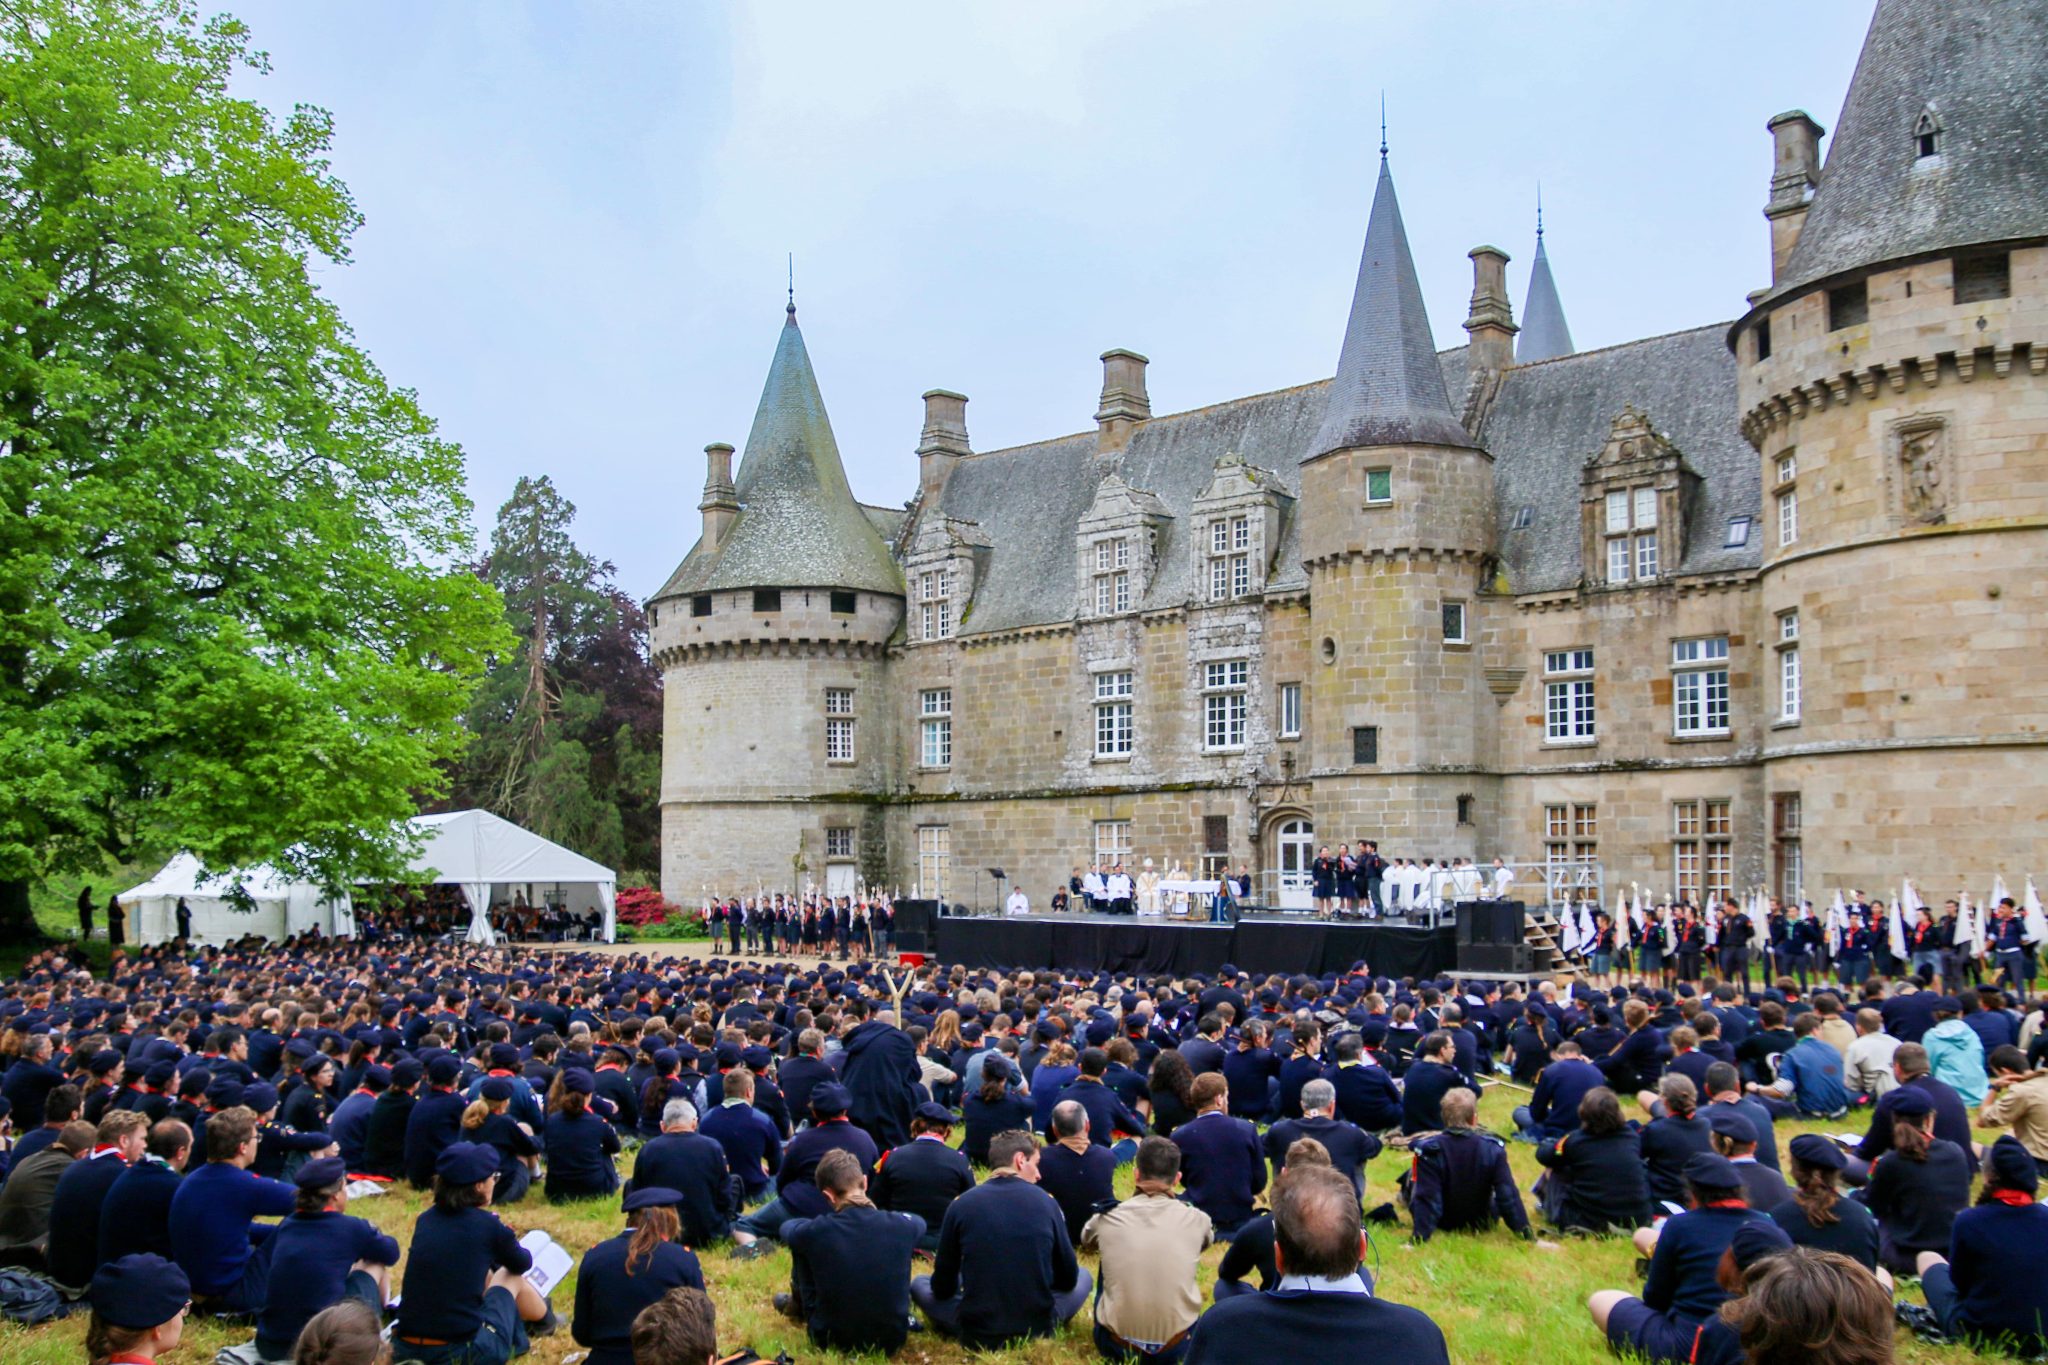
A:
(1508, 959)
(914, 925)
(1489, 923)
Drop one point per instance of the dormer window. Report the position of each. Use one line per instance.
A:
(1112, 576)
(1631, 531)
(1230, 561)
(935, 605)
(1927, 134)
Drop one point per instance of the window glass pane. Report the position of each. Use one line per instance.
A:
(1788, 518)
(1290, 708)
(1240, 533)
(1219, 537)
(1646, 508)
(1646, 556)
(1617, 560)
(1454, 622)
(1379, 485)
(1617, 510)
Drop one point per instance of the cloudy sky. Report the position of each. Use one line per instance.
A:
(578, 213)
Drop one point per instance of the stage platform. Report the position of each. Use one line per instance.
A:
(1260, 943)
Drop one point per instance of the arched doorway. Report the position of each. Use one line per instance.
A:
(1294, 851)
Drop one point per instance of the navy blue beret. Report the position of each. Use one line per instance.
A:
(466, 1163)
(318, 1175)
(652, 1196)
(497, 1088)
(139, 1292)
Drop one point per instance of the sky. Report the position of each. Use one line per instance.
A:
(578, 214)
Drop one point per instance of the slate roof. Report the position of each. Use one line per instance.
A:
(1546, 421)
(799, 525)
(1544, 333)
(1982, 65)
(1550, 418)
(1389, 389)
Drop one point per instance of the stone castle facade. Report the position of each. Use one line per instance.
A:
(1759, 603)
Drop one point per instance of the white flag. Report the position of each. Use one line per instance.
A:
(1620, 920)
(1589, 934)
(1838, 918)
(1966, 924)
(1998, 893)
(1897, 939)
(2036, 922)
(1570, 926)
(1913, 904)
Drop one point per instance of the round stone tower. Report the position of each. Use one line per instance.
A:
(1894, 382)
(770, 639)
(1397, 526)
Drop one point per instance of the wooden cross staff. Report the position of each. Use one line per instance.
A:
(896, 991)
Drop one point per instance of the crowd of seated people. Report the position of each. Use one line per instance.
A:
(200, 1114)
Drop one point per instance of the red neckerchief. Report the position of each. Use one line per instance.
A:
(495, 1072)
(2018, 1199)
(130, 1358)
(1726, 1204)
(101, 1151)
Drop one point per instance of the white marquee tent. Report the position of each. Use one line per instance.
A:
(282, 907)
(491, 859)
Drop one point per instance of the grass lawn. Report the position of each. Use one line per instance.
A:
(1499, 1300)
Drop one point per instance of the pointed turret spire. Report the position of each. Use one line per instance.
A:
(1544, 333)
(799, 525)
(1389, 388)
(1940, 141)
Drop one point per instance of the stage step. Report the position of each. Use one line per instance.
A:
(1539, 935)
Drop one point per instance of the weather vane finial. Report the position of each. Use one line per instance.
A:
(792, 284)
(1383, 125)
(1539, 210)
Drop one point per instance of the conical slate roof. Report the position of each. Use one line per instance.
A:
(1389, 389)
(1980, 67)
(799, 525)
(1544, 333)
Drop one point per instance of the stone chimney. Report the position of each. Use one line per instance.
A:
(720, 504)
(942, 442)
(1491, 324)
(1795, 170)
(1124, 400)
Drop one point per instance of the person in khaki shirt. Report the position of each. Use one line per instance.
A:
(1834, 1030)
(2018, 1099)
(1150, 1245)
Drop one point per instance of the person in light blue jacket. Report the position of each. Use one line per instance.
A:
(1955, 1053)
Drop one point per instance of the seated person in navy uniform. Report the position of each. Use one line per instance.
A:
(924, 1175)
(1322, 1308)
(796, 1193)
(1460, 1180)
(1006, 1268)
(753, 1147)
(1735, 1137)
(1818, 1216)
(1222, 1166)
(138, 1309)
(465, 1299)
(1080, 1176)
(1989, 1287)
(850, 1268)
(489, 1120)
(579, 1145)
(317, 1258)
(625, 1274)
(1429, 1078)
(684, 1160)
(1347, 1146)
(1683, 1288)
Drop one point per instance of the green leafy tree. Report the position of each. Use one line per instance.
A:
(568, 724)
(232, 613)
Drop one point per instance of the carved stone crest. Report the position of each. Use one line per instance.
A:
(1922, 470)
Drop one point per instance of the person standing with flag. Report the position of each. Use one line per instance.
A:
(2009, 937)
